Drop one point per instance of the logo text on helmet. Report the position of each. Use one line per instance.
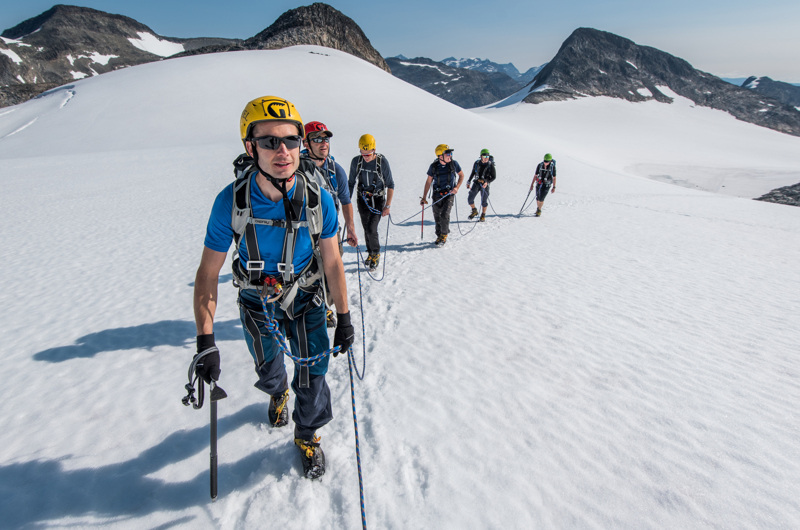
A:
(276, 109)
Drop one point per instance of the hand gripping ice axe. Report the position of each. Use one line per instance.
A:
(216, 394)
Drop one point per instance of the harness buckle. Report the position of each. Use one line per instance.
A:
(283, 268)
(255, 265)
(317, 300)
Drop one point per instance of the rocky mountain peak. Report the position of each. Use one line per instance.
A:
(591, 62)
(87, 20)
(318, 24)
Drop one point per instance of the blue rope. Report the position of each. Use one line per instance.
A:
(363, 329)
(458, 223)
(350, 364)
(280, 340)
(416, 214)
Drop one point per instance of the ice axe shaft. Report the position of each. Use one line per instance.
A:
(216, 394)
(526, 200)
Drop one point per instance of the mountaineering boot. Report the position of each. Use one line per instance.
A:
(376, 258)
(483, 217)
(438, 240)
(312, 456)
(368, 262)
(538, 212)
(474, 213)
(442, 240)
(278, 409)
(330, 319)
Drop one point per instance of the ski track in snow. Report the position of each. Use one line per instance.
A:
(627, 360)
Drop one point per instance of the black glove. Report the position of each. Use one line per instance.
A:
(207, 368)
(345, 334)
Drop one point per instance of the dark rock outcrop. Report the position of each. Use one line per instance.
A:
(460, 86)
(318, 24)
(786, 93)
(489, 67)
(66, 43)
(787, 195)
(598, 63)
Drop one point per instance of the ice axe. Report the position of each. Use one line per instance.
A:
(526, 200)
(197, 403)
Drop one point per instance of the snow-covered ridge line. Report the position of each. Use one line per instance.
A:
(150, 43)
(427, 66)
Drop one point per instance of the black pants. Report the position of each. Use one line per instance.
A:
(542, 189)
(370, 221)
(441, 212)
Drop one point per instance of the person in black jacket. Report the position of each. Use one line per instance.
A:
(544, 177)
(484, 174)
(371, 175)
(442, 175)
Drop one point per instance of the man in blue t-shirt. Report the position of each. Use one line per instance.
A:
(442, 175)
(318, 147)
(272, 131)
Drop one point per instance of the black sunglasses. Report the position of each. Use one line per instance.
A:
(273, 143)
(320, 139)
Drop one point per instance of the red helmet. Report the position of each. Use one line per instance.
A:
(317, 126)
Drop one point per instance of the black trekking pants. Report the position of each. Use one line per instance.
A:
(370, 220)
(541, 191)
(441, 212)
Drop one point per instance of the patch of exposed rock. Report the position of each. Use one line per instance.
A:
(598, 63)
(787, 195)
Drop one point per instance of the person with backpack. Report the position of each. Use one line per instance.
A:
(317, 148)
(371, 175)
(484, 174)
(544, 177)
(317, 142)
(284, 227)
(442, 175)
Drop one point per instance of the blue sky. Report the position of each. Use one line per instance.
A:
(731, 38)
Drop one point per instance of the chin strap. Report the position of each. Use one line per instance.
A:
(282, 185)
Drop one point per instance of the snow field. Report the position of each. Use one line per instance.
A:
(626, 360)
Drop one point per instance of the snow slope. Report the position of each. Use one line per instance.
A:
(627, 360)
(678, 143)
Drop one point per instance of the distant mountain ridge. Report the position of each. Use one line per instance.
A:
(487, 66)
(460, 86)
(786, 93)
(66, 43)
(597, 63)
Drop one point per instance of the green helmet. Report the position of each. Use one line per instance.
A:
(484, 152)
(548, 157)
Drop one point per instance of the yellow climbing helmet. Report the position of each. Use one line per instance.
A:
(268, 108)
(442, 149)
(366, 142)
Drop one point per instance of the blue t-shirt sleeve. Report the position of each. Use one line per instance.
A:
(431, 169)
(219, 233)
(342, 185)
(457, 166)
(330, 221)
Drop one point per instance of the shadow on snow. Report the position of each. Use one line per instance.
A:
(145, 336)
(43, 490)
